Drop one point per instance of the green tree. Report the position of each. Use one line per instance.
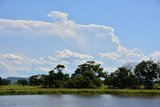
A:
(60, 78)
(90, 66)
(6, 82)
(36, 80)
(22, 82)
(66, 77)
(56, 80)
(80, 81)
(111, 81)
(59, 67)
(1, 81)
(122, 78)
(70, 83)
(146, 72)
(88, 75)
(50, 79)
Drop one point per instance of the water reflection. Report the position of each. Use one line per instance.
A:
(78, 101)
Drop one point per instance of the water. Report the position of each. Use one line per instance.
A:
(78, 101)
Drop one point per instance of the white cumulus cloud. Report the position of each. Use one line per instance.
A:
(67, 54)
(59, 15)
(155, 55)
(112, 56)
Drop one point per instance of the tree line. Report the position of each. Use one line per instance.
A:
(4, 81)
(92, 75)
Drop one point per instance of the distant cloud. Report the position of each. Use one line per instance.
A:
(10, 57)
(59, 15)
(11, 63)
(155, 55)
(67, 54)
(44, 69)
(123, 55)
(69, 58)
(38, 61)
(110, 69)
(112, 56)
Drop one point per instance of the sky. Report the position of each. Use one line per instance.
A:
(36, 35)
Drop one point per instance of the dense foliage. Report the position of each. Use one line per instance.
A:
(146, 73)
(122, 78)
(87, 75)
(91, 75)
(22, 82)
(4, 81)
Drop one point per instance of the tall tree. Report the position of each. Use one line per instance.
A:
(88, 75)
(60, 76)
(6, 82)
(36, 80)
(122, 78)
(146, 72)
(22, 82)
(59, 67)
(50, 79)
(1, 81)
(90, 66)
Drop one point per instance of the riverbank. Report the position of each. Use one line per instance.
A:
(34, 90)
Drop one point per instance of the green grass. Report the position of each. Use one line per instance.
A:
(157, 86)
(32, 90)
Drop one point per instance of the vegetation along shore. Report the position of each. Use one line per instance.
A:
(90, 78)
(36, 90)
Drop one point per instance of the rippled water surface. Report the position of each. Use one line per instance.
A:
(78, 101)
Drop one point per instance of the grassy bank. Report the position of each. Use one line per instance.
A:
(32, 90)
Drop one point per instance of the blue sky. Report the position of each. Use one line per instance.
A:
(36, 35)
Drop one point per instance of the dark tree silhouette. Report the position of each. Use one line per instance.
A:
(146, 72)
(122, 78)
(22, 82)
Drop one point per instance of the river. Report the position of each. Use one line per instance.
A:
(78, 101)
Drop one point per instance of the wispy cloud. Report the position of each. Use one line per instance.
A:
(10, 57)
